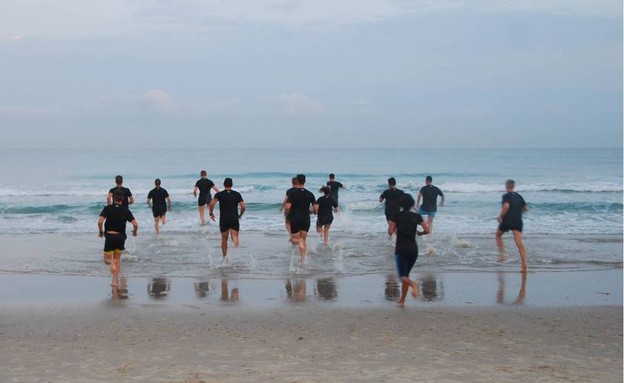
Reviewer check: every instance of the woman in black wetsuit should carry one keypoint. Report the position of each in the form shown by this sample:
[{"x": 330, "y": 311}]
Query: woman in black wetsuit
[{"x": 326, "y": 206}]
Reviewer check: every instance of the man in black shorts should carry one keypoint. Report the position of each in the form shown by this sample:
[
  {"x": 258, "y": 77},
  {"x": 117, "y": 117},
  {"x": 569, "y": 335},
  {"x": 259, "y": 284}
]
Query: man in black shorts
[
  {"x": 335, "y": 186},
  {"x": 392, "y": 196},
  {"x": 510, "y": 218},
  {"x": 229, "y": 200},
  {"x": 128, "y": 199},
  {"x": 298, "y": 211},
  {"x": 160, "y": 202},
  {"x": 112, "y": 225},
  {"x": 429, "y": 195},
  {"x": 203, "y": 185},
  {"x": 294, "y": 187}
]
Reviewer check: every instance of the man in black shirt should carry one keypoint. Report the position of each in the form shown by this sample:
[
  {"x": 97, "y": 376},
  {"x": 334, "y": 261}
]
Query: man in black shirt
[
  {"x": 325, "y": 213},
  {"x": 294, "y": 187},
  {"x": 128, "y": 199},
  {"x": 392, "y": 196},
  {"x": 510, "y": 218},
  {"x": 229, "y": 200},
  {"x": 112, "y": 225},
  {"x": 160, "y": 202},
  {"x": 298, "y": 211},
  {"x": 335, "y": 186},
  {"x": 203, "y": 185},
  {"x": 429, "y": 195}
]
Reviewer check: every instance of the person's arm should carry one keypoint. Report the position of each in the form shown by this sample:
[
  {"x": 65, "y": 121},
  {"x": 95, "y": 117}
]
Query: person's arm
[
  {"x": 287, "y": 207},
  {"x": 425, "y": 229},
  {"x": 216, "y": 189},
  {"x": 442, "y": 200},
  {"x": 503, "y": 212},
  {"x": 525, "y": 208},
  {"x": 392, "y": 227},
  {"x": 243, "y": 207},
  {"x": 109, "y": 198},
  {"x": 135, "y": 227},
  {"x": 315, "y": 208},
  {"x": 168, "y": 203},
  {"x": 149, "y": 201},
  {"x": 382, "y": 197},
  {"x": 195, "y": 189},
  {"x": 101, "y": 226},
  {"x": 130, "y": 200},
  {"x": 420, "y": 196},
  {"x": 284, "y": 203},
  {"x": 211, "y": 208}
]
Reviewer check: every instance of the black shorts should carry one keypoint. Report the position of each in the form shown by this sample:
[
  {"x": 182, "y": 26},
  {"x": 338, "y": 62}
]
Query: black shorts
[
  {"x": 323, "y": 220},
  {"x": 505, "y": 227},
  {"x": 159, "y": 211},
  {"x": 228, "y": 223},
  {"x": 405, "y": 262},
  {"x": 114, "y": 242},
  {"x": 390, "y": 214},
  {"x": 297, "y": 225},
  {"x": 201, "y": 201}
]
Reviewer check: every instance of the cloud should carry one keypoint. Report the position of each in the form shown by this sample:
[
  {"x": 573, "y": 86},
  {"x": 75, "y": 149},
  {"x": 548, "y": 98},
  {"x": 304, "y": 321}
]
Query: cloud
[
  {"x": 160, "y": 101},
  {"x": 11, "y": 37},
  {"x": 599, "y": 8},
  {"x": 299, "y": 105},
  {"x": 26, "y": 111}
]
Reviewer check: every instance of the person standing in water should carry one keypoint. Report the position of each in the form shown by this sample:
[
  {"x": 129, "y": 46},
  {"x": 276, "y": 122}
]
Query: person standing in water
[
  {"x": 203, "y": 185},
  {"x": 335, "y": 186},
  {"x": 229, "y": 216},
  {"x": 128, "y": 199},
  {"x": 298, "y": 211},
  {"x": 405, "y": 225},
  {"x": 112, "y": 226},
  {"x": 327, "y": 205},
  {"x": 429, "y": 195},
  {"x": 160, "y": 201},
  {"x": 392, "y": 196},
  {"x": 510, "y": 218},
  {"x": 294, "y": 187}
]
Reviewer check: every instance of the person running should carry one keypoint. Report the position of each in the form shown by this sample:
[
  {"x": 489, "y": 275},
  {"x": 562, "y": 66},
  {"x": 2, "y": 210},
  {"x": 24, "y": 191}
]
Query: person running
[
  {"x": 335, "y": 186},
  {"x": 229, "y": 225},
  {"x": 405, "y": 225},
  {"x": 160, "y": 201},
  {"x": 112, "y": 226},
  {"x": 392, "y": 196},
  {"x": 510, "y": 218},
  {"x": 203, "y": 185},
  {"x": 128, "y": 199},
  {"x": 294, "y": 186},
  {"x": 429, "y": 195},
  {"x": 298, "y": 211},
  {"x": 326, "y": 206}
]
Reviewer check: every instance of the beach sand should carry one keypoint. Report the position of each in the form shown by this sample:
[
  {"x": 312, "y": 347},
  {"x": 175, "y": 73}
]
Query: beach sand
[{"x": 152, "y": 341}]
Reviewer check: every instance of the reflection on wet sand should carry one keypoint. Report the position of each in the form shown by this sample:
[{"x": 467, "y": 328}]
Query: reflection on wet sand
[
  {"x": 431, "y": 290},
  {"x": 159, "y": 288},
  {"x": 202, "y": 289},
  {"x": 121, "y": 292},
  {"x": 226, "y": 295},
  {"x": 296, "y": 290},
  {"x": 500, "y": 294},
  {"x": 326, "y": 289},
  {"x": 391, "y": 291}
]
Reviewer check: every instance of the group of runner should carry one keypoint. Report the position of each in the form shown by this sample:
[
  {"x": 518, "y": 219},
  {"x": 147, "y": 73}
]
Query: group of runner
[{"x": 403, "y": 215}]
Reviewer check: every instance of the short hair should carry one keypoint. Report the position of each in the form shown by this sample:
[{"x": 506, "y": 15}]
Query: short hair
[
  {"x": 118, "y": 195},
  {"x": 301, "y": 179},
  {"x": 332, "y": 175},
  {"x": 202, "y": 173},
  {"x": 407, "y": 202},
  {"x": 428, "y": 179},
  {"x": 227, "y": 182},
  {"x": 157, "y": 181},
  {"x": 294, "y": 181},
  {"x": 325, "y": 190},
  {"x": 391, "y": 181},
  {"x": 118, "y": 180},
  {"x": 510, "y": 184}
]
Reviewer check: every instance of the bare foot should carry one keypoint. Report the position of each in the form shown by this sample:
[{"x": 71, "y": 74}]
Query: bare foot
[
  {"x": 501, "y": 258},
  {"x": 401, "y": 304},
  {"x": 415, "y": 290}
]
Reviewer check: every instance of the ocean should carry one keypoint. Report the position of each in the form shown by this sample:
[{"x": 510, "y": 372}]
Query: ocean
[{"x": 50, "y": 201}]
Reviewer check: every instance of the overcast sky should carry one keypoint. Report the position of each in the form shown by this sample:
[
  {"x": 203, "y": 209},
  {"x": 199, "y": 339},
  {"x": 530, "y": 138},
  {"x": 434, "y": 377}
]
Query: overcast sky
[{"x": 309, "y": 73}]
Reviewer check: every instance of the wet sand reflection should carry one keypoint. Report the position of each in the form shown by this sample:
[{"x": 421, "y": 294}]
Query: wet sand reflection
[
  {"x": 500, "y": 293},
  {"x": 226, "y": 294},
  {"x": 296, "y": 289},
  {"x": 326, "y": 289},
  {"x": 159, "y": 288}
]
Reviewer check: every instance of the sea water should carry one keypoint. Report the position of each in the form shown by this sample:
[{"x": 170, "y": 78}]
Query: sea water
[{"x": 55, "y": 197}]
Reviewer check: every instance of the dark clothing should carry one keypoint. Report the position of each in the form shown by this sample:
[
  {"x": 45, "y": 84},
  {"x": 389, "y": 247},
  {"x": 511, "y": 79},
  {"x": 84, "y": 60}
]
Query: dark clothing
[
  {"x": 405, "y": 263},
  {"x": 126, "y": 192},
  {"x": 290, "y": 191},
  {"x": 326, "y": 206},
  {"x": 430, "y": 195},
  {"x": 114, "y": 242},
  {"x": 513, "y": 219},
  {"x": 159, "y": 201},
  {"x": 335, "y": 187},
  {"x": 323, "y": 220},
  {"x": 407, "y": 223},
  {"x": 204, "y": 185},
  {"x": 116, "y": 218},
  {"x": 159, "y": 212},
  {"x": 392, "y": 198},
  {"x": 228, "y": 208},
  {"x": 299, "y": 214}
]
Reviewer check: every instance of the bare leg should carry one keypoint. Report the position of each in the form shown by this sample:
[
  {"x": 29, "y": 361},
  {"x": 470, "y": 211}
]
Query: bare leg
[
  {"x": 303, "y": 246},
  {"x": 201, "y": 215},
  {"x": 108, "y": 256},
  {"x": 156, "y": 228},
  {"x": 522, "y": 292},
  {"x": 115, "y": 268},
  {"x": 287, "y": 224},
  {"x": 430, "y": 224},
  {"x": 501, "y": 246},
  {"x": 404, "y": 288},
  {"x": 294, "y": 239},
  {"x": 163, "y": 219},
  {"x": 326, "y": 234},
  {"x": 235, "y": 238},
  {"x": 518, "y": 238},
  {"x": 224, "y": 239}
]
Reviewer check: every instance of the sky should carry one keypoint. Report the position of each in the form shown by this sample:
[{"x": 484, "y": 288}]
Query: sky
[{"x": 310, "y": 73}]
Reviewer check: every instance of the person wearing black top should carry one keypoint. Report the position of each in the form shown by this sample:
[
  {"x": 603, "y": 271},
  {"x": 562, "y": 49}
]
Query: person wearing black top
[
  {"x": 203, "y": 186},
  {"x": 392, "y": 196},
  {"x": 510, "y": 218},
  {"x": 128, "y": 199},
  {"x": 326, "y": 206},
  {"x": 335, "y": 186},
  {"x": 112, "y": 225},
  {"x": 405, "y": 224},
  {"x": 160, "y": 202},
  {"x": 298, "y": 211},
  {"x": 228, "y": 200},
  {"x": 286, "y": 221},
  {"x": 429, "y": 195}
]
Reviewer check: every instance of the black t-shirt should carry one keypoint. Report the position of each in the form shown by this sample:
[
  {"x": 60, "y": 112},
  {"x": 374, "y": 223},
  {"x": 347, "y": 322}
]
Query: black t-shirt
[
  {"x": 159, "y": 198},
  {"x": 392, "y": 198},
  {"x": 407, "y": 223},
  {"x": 326, "y": 205},
  {"x": 334, "y": 186},
  {"x": 290, "y": 190},
  {"x": 300, "y": 200},
  {"x": 204, "y": 185},
  {"x": 116, "y": 218},
  {"x": 430, "y": 195},
  {"x": 126, "y": 192},
  {"x": 228, "y": 202},
  {"x": 516, "y": 205}
]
